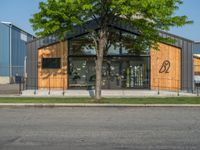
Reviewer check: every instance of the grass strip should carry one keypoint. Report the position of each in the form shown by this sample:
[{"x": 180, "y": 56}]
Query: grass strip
[{"x": 171, "y": 100}]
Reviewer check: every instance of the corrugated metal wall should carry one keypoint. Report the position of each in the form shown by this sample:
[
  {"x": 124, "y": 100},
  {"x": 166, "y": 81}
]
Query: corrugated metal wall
[
  {"x": 4, "y": 50},
  {"x": 32, "y": 57},
  {"x": 197, "y": 48},
  {"x": 19, "y": 50},
  {"x": 13, "y": 59}
]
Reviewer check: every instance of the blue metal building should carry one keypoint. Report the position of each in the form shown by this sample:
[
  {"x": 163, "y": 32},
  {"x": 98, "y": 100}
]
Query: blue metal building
[
  {"x": 13, "y": 51},
  {"x": 196, "y": 48}
]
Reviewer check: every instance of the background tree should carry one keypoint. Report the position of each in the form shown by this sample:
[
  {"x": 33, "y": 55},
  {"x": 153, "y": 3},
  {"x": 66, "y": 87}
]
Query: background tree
[{"x": 147, "y": 16}]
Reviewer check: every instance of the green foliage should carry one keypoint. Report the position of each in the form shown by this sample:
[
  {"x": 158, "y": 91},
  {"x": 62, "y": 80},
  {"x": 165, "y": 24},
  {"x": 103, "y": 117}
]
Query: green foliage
[
  {"x": 147, "y": 100},
  {"x": 148, "y": 16}
]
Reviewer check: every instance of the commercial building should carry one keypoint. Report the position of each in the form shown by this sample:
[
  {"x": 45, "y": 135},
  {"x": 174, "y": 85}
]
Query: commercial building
[
  {"x": 70, "y": 64},
  {"x": 12, "y": 51},
  {"x": 196, "y": 48},
  {"x": 196, "y": 53}
]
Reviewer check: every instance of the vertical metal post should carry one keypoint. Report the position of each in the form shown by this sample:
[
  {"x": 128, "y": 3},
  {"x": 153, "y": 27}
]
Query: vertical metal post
[
  {"x": 22, "y": 83},
  {"x": 26, "y": 84},
  {"x": 178, "y": 89},
  {"x": 49, "y": 87},
  {"x": 20, "y": 90},
  {"x": 158, "y": 87},
  {"x": 10, "y": 50},
  {"x": 178, "y": 94},
  {"x": 63, "y": 87},
  {"x": 35, "y": 87},
  {"x": 197, "y": 90}
]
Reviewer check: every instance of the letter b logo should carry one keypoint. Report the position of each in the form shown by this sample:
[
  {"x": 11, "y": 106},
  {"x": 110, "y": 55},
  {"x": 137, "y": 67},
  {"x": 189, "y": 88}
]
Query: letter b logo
[{"x": 165, "y": 67}]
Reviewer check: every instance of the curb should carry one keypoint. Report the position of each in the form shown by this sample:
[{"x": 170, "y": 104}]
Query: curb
[{"x": 94, "y": 105}]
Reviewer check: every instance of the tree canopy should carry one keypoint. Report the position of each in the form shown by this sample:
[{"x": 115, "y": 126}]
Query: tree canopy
[{"x": 148, "y": 17}]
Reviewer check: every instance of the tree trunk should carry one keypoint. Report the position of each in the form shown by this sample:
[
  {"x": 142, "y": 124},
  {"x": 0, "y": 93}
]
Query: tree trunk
[{"x": 99, "y": 63}]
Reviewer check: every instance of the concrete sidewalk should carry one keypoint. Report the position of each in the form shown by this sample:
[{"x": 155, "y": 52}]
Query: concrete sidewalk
[{"x": 106, "y": 93}]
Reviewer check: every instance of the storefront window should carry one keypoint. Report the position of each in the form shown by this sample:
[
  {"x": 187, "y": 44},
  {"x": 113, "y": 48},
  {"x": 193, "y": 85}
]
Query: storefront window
[
  {"x": 125, "y": 73},
  {"x": 81, "y": 73},
  {"x": 117, "y": 73},
  {"x": 123, "y": 67},
  {"x": 128, "y": 46},
  {"x": 82, "y": 46}
]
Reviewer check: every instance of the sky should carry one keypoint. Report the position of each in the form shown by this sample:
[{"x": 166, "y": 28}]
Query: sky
[{"x": 20, "y": 11}]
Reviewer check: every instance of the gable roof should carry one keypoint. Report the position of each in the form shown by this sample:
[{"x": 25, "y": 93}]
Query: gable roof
[{"x": 92, "y": 24}]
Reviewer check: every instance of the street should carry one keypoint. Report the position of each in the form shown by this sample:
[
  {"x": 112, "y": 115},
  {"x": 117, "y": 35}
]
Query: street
[{"x": 100, "y": 128}]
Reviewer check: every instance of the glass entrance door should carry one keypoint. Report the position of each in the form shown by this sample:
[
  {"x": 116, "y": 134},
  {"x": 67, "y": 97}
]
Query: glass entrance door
[
  {"x": 111, "y": 75},
  {"x": 134, "y": 75},
  {"x": 125, "y": 73}
]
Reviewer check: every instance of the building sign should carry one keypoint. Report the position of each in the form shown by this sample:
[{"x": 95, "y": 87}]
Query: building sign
[{"x": 165, "y": 67}]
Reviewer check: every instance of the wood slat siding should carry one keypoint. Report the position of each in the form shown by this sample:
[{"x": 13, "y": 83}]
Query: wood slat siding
[
  {"x": 196, "y": 66},
  {"x": 53, "y": 78},
  {"x": 172, "y": 79}
]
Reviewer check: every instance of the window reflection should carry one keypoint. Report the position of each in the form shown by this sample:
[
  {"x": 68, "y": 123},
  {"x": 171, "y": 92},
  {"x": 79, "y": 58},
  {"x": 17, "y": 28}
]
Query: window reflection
[
  {"x": 117, "y": 73},
  {"x": 81, "y": 73},
  {"x": 82, "y": 46},
  {"x": 124, "y": 65}
]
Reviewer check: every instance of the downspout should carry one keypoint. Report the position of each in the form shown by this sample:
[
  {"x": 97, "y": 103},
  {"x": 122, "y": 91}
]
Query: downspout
[{"x": 10, "y": 52}]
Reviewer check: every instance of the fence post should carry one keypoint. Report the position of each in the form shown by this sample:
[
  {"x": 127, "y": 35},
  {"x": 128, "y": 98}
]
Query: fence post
[
  {"x": 178, "y": 94},
  {"x": 49, "y": 87},
  {"x": 158, "y": 87},
  {"x": 178, "y": 89},
  {"x": 26, "y": 84},
  {"x": 20, "y": 87},
  {"x": 35, "y": 87},
  {"x": 197, "y": 90},
  {"x": 22, "y": 83},
  {"x": 63, "y": 87}
]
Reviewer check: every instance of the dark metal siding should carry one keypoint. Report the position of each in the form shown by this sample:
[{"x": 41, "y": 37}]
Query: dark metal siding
[{"x": 32, "y": 53}]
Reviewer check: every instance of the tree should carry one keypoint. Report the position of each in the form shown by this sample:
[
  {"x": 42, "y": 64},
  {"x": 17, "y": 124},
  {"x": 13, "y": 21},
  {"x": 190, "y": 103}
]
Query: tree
[{"x": 147, "y": 16}]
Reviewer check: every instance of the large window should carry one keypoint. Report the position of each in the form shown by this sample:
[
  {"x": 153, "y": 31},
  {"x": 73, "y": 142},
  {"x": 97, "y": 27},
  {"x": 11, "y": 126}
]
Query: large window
[
  {"x": 81, "y": 72},
  {"x": 82, "y": 46},
  {"x": 51, "y": 63},
  {"x": 124, "y": 67},
  {"x": 117, "y": 73},
  {"x": 123, "y": 73}
]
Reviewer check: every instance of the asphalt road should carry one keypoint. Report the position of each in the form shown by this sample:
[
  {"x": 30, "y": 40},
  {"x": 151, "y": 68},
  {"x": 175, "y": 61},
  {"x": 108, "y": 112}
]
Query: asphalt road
[{"x": 100, "y": 128}]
